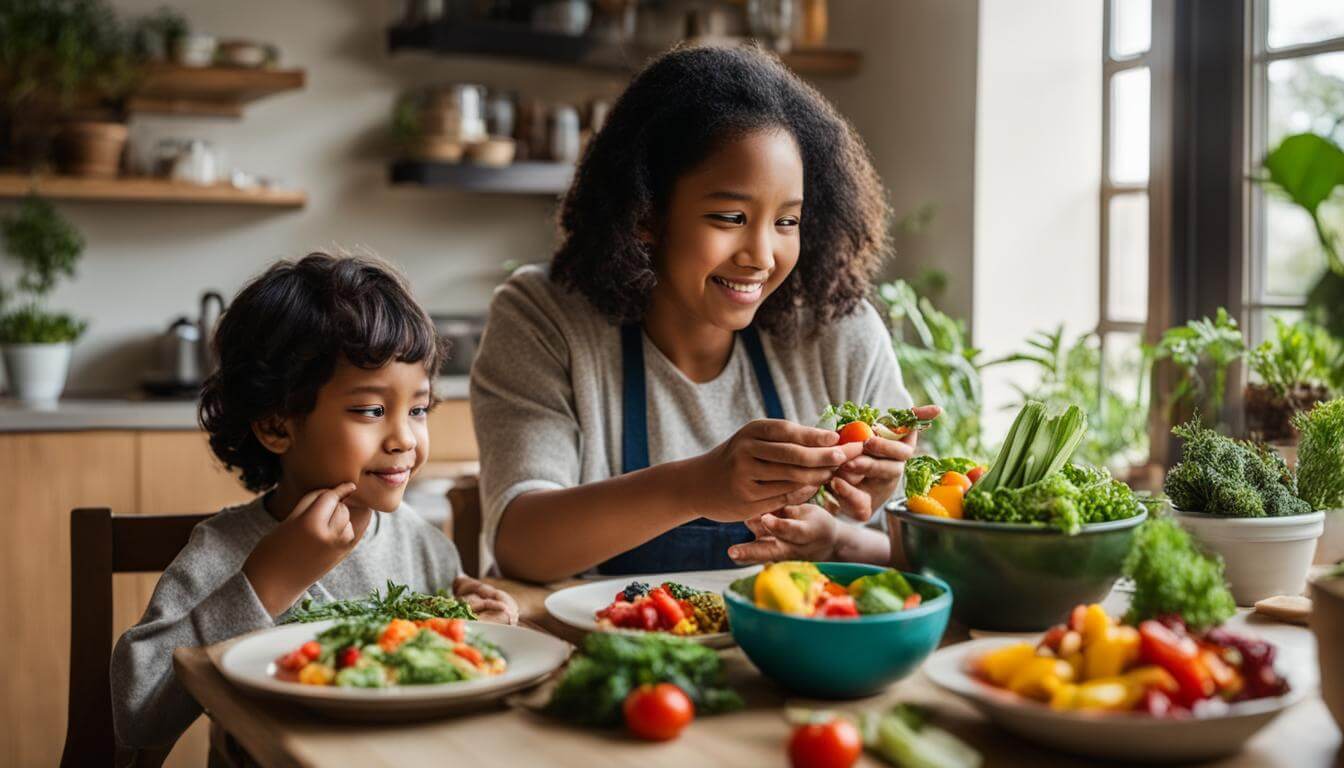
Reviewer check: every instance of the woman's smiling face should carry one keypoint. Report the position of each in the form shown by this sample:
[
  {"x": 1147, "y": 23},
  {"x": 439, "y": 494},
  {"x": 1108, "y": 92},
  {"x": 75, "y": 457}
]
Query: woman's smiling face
[{"x": 730, "y": 236}]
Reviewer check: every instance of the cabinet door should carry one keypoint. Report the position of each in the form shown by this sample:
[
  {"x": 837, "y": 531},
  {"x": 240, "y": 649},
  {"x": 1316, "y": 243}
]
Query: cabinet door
[
  {"x": 451, "y": 436},
  {"x": 42, "y": 477},
  {"x": 176, "y": 474}
]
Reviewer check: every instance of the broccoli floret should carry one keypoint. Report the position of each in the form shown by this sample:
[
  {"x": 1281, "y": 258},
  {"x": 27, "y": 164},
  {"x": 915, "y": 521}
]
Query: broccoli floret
[
  {"x": 680, "y": 591},
  {"x": 1222, "y": 476},
  {"x": 1052, "y": 501}
]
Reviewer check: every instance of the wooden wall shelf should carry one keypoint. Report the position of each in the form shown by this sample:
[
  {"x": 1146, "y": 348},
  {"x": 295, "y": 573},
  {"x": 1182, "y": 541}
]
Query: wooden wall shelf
[
  {"x": 143, "y": 190},
  {"x": 517, "y": 41},
  {"x": 210, "y": 91},
  {"x": 522, "y": 178}
]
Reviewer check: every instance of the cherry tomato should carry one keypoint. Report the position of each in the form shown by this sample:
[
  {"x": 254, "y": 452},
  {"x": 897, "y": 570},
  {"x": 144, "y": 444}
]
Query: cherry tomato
[
  {"x": 348, "y": 657},
  {"x": 293, "y": 661},
  {"x": 657, "y": 712},
  {"x": 669, "y": 612},
  {"x": 833, "y": 744},
  {"x": 470, "y": 654},
  {"x": 311, "y": 649},
  {"x": 976, "y": 473},
  {"x": 912, "y": 601},
  {"x": 837, "y": 607},
  {"x": 855, "y": 432}
]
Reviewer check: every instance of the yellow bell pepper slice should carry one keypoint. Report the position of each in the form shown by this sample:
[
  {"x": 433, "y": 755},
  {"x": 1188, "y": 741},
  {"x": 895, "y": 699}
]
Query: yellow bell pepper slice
[
  {"x": 950, "y": 497},
  {"x": 788, "y": 587},
  {"x": 1040, "y": 677},
  {"x": 926, "y": 505},
  {"x": 1000, "y": 665}
]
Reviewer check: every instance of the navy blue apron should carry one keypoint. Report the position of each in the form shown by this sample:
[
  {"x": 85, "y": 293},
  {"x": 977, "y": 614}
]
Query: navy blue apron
[{"x": 699, "y": 545}]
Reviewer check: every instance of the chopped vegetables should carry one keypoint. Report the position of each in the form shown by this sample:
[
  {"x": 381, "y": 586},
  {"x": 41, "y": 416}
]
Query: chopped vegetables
[
  {"x": 610, "y": 666},
  {"x": 801, "y": 589},
  {"x": 903, "y": 737},
  {"x": 1221, "y": 476},
  {"x": 1159, "y": 667},
  {"x": 1172, "y": 576},
  {"x": 398, "y": 603},
  {"x": 892, "y": 424},
  {"x": 373, "y": 653},
  {"x": 669, "y": 607}
]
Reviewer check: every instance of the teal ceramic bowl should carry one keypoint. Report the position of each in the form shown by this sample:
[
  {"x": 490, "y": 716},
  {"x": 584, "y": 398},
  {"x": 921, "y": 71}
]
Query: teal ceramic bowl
[
  {"x": 1013, "y": 578},
  {"x": 841, "y": 658}
]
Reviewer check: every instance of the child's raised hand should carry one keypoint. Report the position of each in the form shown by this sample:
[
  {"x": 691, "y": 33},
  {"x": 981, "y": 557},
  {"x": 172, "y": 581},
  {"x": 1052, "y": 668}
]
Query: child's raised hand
[
  {"x": 489, "y": 603},
  {"x": 319, "y": 532},
  {"x": 802, "y": 532}
]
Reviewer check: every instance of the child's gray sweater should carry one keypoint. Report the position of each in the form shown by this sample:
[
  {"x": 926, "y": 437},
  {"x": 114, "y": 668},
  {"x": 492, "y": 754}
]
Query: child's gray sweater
[{"x": 204, "y": 598}]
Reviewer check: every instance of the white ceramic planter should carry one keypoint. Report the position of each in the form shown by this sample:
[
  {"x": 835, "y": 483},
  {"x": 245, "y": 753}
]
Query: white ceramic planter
[
  {"x": 1330, "y": 549},
  {"x": 1265, "y": 556},
  {"x": 37, "y": 372}
]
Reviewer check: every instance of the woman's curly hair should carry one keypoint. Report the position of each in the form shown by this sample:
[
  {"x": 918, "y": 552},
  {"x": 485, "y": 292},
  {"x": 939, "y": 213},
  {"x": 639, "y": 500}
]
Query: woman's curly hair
[
  {"x": 281, "y": 338},
  {"x": 674, "y": 114}
]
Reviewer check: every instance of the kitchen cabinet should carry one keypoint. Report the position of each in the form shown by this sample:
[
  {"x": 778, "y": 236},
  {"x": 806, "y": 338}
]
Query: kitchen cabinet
[{"x": 44, "y": 475}]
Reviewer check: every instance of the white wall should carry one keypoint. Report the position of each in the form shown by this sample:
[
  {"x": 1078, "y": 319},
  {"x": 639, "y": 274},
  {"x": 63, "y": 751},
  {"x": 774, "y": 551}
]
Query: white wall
[
  {"x": 913, "y": 102},
  {"x": 1037, "y": 176}
]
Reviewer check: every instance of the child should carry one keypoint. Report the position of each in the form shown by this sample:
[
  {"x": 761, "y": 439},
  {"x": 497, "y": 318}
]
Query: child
[
  {"x": 719, "y": 240},
  {"x": 320, "y": 404}
]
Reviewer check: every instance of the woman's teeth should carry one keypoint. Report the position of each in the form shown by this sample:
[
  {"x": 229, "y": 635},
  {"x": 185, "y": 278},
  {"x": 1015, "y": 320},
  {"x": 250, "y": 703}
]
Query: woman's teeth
[{"x": 739, "y": 287}]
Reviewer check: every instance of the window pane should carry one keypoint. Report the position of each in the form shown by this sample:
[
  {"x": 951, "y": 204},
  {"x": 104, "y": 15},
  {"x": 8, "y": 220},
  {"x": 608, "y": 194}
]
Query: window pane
[
  {"x": 1293, "y": 254},
  {"x": 1129, "y": 126},
  {"x": 1262, "y": 322},
  {"x": 1305, "y": 94},
  {"x": 1127, "y": 278},
  {"x": 1131, "y": 27},
  {"x": 1293, "y": 22}
]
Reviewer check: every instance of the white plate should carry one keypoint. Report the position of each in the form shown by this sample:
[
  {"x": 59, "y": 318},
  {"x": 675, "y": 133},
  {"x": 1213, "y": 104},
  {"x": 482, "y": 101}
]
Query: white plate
[
  {"x": 1116, "y": 736},
  {"x": 577, "y": 606},
  {"x": 531, "y": 656}
]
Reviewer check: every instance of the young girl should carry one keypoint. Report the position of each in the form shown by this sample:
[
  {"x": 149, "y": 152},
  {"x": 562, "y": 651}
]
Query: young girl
[
  {"x": 718, "y": 243},
  {"x": 320, "y": 404}
]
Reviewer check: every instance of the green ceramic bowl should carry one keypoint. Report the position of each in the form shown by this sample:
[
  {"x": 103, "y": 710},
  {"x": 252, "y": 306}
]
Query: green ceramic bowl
[
  {"x": 841, "y": 658},
  {"x": 1013, "y": 578}
]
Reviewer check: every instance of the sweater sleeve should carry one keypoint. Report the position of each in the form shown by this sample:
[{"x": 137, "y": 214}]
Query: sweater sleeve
[
  {"x": 202, "y": 598},
  {"x": 522, "y": 405}
]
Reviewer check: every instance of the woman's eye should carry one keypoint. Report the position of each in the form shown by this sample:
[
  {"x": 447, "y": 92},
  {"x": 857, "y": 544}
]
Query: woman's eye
[
  {"x": 373, "y": 411},
  {"x": 730, "y": 218}
]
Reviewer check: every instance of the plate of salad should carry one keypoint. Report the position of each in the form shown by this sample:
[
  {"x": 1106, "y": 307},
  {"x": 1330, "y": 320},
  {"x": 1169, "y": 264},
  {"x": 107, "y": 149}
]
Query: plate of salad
[
  {"x": 1155, "y": 691},
  {"x": 687, "y": 604}
]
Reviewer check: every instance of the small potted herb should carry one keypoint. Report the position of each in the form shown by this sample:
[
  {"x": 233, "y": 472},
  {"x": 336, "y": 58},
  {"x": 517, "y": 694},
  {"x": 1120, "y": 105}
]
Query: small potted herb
[
  {"x": 1294, "y": 369},
  {"x": 36, "y": 342},
  {"x": 1320, "y": 472},
  {"x": 1239, "y": 500}
]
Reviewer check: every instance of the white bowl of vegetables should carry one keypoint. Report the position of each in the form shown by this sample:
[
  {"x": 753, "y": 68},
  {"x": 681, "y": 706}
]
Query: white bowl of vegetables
[{"x": 1240, "y": 501}]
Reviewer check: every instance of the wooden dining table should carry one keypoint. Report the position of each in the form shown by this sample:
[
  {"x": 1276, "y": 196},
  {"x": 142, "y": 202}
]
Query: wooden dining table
[{"x": 279, "y": 734}]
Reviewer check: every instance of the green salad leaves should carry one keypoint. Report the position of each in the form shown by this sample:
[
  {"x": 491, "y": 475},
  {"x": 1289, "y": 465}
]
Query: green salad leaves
[
  {"x": 921, "y": 472},
  {"x": 610, "y": 666},
  {"x": 399, "y": 603},
  {"x": 1221, "y": 476},
  {"x": 1172, "y": 576}
]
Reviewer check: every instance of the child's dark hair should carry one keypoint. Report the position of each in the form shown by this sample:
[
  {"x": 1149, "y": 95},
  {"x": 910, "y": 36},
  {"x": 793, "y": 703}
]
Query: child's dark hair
[
  {"x": 674, "y": 114},
  {"x": 281, "y": 338}
]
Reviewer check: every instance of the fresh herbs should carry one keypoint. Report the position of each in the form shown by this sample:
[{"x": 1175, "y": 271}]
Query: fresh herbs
[
  {"x": 398, "y": 603},
  {"x": 1203, "y": 345},
  {"x": 611, "y": 665},
  {"x": 1172, "y": 576},
  {"x": 1320, "y": 455},
  {"x": 1221, "y": 476}
]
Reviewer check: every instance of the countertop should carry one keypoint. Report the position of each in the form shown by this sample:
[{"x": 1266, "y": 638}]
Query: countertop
[{"x": 135, "y": 412}]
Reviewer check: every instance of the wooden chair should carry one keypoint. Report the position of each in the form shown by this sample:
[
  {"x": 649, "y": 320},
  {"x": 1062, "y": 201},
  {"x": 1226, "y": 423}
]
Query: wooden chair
[
  {"x": 102, "y": 544},
  {"x": 465, "y": 499}
]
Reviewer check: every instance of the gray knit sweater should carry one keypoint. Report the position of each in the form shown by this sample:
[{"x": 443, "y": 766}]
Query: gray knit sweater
[{"x": 204, "y": 598}]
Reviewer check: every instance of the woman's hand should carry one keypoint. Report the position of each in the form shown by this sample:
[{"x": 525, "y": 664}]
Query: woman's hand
[
  {"x": 318, "y": 533},
  {"x": 802, "y": 532},
  {"x": 866, "y": 482},
  {"x": 768, "y": 464},
  {"x": 489, "y": 603}
]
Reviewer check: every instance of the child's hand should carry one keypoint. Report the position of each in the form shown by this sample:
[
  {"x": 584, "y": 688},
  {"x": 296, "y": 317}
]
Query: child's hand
[
  {"x": 319, "y": 533},
  {"x": 803, "y": 532},
  {"x": 489, "y": 603}
]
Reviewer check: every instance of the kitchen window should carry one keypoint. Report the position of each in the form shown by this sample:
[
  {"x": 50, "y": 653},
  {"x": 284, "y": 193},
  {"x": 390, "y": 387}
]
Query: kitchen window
[{"x": 1296, "y": 84}]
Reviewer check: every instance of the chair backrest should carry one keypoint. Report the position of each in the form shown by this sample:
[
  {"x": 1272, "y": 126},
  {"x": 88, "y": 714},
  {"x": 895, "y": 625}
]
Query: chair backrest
[
  {"x": 102, "y": 544},
  {"x": 465, "y": 499}
]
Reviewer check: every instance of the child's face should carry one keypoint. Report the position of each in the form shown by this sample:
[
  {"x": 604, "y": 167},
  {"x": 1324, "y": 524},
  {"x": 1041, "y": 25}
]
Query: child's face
[
  {"x": 369, "y": 427},
  {"x": 731, "y": 233}
]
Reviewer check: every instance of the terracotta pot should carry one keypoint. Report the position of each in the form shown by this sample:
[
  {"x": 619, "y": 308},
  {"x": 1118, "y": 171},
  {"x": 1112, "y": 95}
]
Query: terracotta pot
[
  {"x": 90, "y": 148},
  {"x": 1269, "y": 415}
]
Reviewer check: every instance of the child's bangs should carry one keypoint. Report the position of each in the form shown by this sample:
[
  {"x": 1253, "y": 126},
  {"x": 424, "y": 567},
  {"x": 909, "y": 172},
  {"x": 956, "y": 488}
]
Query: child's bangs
[{"x": 382, "y": 328}]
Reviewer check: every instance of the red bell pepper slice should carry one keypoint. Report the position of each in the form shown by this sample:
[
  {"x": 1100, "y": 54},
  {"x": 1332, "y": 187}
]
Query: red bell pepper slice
[{"x": 1179, "y": 656}]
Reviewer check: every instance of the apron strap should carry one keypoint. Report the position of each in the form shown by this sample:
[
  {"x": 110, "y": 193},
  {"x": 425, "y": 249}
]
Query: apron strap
[
  {"x": 634, "y": 410},
  {"x": 773, "y": 408}
]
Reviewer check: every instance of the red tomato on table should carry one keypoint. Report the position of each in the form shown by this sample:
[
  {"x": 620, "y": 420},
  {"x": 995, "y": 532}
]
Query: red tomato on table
[
  {"x": 833, "y": 744},
  {"x": 657, "y": 712}
]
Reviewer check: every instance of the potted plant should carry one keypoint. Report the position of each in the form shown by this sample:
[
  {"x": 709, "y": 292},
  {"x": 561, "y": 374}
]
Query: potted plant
[
  {"x": 1239, "y": 499},
  {"x": 36, "y": 342},
  {"x": 1320, "y": 472},
  {"x": 1296, "y": 368},
  {"x": 1203, "y": 350}
]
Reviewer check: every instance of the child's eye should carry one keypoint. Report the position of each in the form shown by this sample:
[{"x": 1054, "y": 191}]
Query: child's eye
[
  {"x": 787, "y": 221},
  {"x": 373, "y": 411},
  {"x": 420, "y": 411},
  {"x": 730, "y": 218}
]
